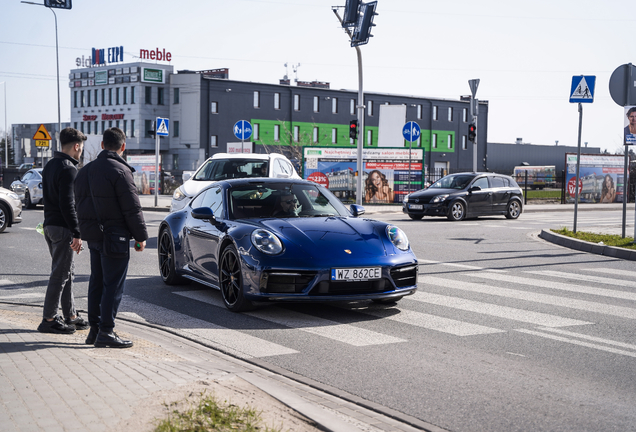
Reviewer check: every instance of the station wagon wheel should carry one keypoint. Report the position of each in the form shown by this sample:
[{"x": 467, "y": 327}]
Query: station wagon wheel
[
  {"x": 4, "y": 217},
  {"x": 27, "y": 200},
  {"x": 514, "y": 210},
  {"x": 231, "y": 281},
  {"x": 457, "y": 211},
  {"x": 167, "y": 267}
]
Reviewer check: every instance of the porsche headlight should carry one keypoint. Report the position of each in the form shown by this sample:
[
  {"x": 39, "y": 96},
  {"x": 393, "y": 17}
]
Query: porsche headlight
[
  {"x": 266, "y": 242},
  {"x": 397, "y": 237},
  {"x": 439, "y": 198},
  {"x": 178, "y": 194}
]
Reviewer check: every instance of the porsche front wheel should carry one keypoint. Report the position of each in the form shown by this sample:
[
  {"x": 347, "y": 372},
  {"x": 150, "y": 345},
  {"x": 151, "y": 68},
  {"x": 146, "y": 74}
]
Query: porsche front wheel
[{"x": 231, "y": 281}]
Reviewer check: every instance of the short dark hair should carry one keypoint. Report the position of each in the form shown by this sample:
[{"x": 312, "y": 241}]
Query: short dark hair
[
  {"x": 114, "y": 138},
  {"x": 71, "y": 135},
  {"x": 631, "y": 110}
]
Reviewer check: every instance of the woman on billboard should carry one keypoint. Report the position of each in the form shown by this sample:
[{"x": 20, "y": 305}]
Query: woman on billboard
[
  {"x": 377, "y": 189},
  {"x": 608, "y": 192}
]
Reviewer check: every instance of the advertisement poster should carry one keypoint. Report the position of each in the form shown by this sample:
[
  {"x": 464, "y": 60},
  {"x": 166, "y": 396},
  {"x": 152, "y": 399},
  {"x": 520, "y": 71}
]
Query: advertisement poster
[
  {"x": 385, "y": 176},
  {"x": 630, "y": 125},
  {"x": 144, "y": 174},
  {"x": 600, "y": 178}
]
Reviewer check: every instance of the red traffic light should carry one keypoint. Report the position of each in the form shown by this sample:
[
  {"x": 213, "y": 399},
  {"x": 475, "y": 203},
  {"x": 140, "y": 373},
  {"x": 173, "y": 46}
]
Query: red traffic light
[
  {"x": 353, "y": 129},
  {"x": 472, "y": 132}
]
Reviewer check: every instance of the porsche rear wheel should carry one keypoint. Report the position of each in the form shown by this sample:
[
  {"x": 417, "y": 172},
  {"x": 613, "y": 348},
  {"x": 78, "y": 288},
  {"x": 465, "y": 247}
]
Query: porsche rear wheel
[
  {"x": 231, "y": 281},
  {"x": 166, "y": 260},
  {"x": 457, "y": 211}
]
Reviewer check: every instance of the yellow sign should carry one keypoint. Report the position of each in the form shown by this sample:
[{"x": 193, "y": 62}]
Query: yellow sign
[
  {"x": 42, "y": 143},
  {"x": 42, "y": 134}
]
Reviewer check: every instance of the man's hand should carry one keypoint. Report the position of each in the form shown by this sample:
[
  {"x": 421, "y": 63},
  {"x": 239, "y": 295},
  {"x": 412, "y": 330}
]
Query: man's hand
[
  {"x": 76, "y": 245},
  {"x": 140, "y": 246}
]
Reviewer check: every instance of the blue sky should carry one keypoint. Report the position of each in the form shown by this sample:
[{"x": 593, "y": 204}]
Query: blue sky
[{"x": 524, "y": 53}]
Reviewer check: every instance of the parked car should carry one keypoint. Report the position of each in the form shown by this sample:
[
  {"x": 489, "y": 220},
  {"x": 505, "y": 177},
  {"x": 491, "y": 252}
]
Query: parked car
[
  {"x": 10, "y": 209},
  {"x": 29, "y": 187},
  {"x": 223, "y": 166},
  {"x": 230, "y": 237},
  {"x": 458, "y": 196}
]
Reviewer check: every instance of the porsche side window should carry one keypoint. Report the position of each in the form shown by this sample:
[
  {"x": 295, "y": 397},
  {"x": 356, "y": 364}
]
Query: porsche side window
[{"x": 213, "y": 198}]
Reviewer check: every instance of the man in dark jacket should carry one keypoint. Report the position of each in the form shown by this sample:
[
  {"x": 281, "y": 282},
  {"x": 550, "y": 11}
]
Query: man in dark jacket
[
  {"x": 61, "y": 231},
  {"x": 106, "y": 196}
]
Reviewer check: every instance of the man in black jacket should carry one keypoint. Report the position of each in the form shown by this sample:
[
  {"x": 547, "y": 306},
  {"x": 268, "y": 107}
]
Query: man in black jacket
[
  {"x": 106, "y": 196},
  {"x": 61, "y": 231}
]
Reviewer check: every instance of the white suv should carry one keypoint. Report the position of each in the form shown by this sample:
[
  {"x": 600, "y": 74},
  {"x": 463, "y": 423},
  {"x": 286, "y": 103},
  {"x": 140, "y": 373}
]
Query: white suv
[{"x": 223, "y": 166}]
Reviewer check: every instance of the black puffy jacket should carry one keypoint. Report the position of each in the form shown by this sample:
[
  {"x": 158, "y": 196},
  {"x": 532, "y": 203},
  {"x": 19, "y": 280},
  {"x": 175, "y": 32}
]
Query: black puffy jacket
[{"x": 115, "y": 194}]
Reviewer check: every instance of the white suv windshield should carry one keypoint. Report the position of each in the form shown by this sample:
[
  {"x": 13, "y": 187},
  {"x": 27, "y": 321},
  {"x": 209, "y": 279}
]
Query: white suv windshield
[{"x": 223, "y": 169}]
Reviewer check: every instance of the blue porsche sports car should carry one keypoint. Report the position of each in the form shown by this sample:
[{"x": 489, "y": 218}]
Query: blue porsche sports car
[{"x": 272, "y": 239}]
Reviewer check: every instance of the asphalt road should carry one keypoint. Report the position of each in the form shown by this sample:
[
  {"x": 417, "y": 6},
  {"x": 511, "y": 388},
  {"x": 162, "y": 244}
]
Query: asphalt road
[{"x": 506, "y": 332}]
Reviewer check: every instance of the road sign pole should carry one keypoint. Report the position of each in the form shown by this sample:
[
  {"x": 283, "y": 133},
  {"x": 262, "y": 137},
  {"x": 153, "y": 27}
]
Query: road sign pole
[
  {"x": 578, "y": 165},
  {"x": 156, "y": 168}
]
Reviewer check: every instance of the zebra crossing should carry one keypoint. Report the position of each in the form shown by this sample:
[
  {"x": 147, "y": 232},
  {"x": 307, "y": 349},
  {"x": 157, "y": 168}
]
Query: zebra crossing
[{"x": 560, "y": 306}]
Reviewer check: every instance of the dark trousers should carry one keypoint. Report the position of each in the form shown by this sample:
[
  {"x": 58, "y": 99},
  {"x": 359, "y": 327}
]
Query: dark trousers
[
  {"x": 60, "y": 287},
  {"x": 105, "y": 287}
]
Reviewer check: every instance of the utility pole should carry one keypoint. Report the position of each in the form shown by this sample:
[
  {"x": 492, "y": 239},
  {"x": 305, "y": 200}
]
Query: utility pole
[{"x": 474, "y": 112}]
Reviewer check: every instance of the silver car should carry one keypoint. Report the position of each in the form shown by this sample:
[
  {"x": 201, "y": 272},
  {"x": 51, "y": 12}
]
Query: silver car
[
  {"x": 29, "y": 188},
  {"x": 10, "y": 209}
]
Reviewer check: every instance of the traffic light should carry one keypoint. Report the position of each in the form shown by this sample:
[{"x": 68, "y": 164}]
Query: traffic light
[
  {"x": 362, "y": 29},
  {"x": 353, "y": 129},
  {"x": 60, "y": 4},
  {"x": 472, "y": 132},
  {"x": 350, "y": 13}
]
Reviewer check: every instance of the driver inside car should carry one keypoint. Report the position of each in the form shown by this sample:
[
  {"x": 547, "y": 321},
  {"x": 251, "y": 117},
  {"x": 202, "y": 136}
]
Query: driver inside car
[{"x": 286, "y": 206}]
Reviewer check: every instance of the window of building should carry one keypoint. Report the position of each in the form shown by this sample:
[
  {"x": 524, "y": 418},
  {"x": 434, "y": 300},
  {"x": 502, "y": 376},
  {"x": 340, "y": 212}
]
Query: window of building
[
  {"x": 370, "y": 108},
  {"x": 276, "y": 132},
  {"x": 110, "y": 96},
  {"x": 125, "y": 95},
  {"x": 296, "y": 133},
  {"x": 277, "y": 101},
  {"x": 434, "y": 112},
  {"x": 160, "y": 94},
  {"x": 257, "y": 99},
  {"x": 75, "y": 100},
  {"x": 125, "y": 129},
  {"x": 75, "y": 125},
  {"x": 132, "y": 95},
  {"x": 175, "y": 128},
  {"x": 103, "y": 97},
  {"x": 334, "y": 136},
  {"x": 419, "y": 111},
  {"x": 464, "y": 115},
  {"x": 434, "y": 141},
  {"x": 117, "y": 124},
  {"x": 334, "y": 105},
  {"x": 96, "y": 94},
  {"x": 110, "y": 124},
  {"x": 148, "y": 95},
  {"x": 296, "y": 102},
  {"x": 147, "y": 128},
  {"x": 82, "y": 98},
  {"x": 450, "y": 114},
  {"x": 117, "y": 96},
  {"x": 82, "y": 127},
  {"x": 352, "y": 106},
  {"x": 176, "y": 96},
  {"x": 369, "y": 138},
  {"x": 464, "y": 142},
  {"x": 88, "y": 127},
  {"x": 214, "y": 141},
  {"x": 103, "y": 126},
  {"x": 214, "y": 107},
  {"x": 132, "y": 128},
  {"x": 256, "y": 131},
  {"x": 315, "y": 135},
  {"x": 97, "y": 127},
  {"x": 88, "y": 98},
  {"x": 450, "y": 142},
  {"x": 316, "y": 104}
]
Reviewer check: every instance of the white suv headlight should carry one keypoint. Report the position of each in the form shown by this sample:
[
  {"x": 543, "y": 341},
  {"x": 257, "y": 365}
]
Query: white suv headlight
[{"x": 178, "y": 194}]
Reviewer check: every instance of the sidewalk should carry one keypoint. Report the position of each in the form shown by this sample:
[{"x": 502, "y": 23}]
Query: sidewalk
[{"x": 57, "y": 383}]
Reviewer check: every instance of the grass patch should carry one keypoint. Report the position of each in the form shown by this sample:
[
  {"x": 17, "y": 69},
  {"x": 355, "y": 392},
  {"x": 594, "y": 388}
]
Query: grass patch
[
  {"x": 211, "y": 415},
  {"x": 607, "y": 239},
  {"x": 544, "y": 194}
]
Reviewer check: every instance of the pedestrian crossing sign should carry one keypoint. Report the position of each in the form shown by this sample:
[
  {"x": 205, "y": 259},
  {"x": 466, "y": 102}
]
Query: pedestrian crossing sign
[
  {"x": 162, "y": 126},
  {"x": 582, "y": 90}
]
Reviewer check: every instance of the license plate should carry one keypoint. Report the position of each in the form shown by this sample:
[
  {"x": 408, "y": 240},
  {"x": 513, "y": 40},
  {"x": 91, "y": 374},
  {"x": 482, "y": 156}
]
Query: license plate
[
  {"x": 416, "y": 206},
  {"x": 356, "y": 274}
]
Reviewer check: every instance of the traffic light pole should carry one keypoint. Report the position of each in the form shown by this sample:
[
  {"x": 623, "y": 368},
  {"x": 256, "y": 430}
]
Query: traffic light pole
[{"x": 475, "y": 146}]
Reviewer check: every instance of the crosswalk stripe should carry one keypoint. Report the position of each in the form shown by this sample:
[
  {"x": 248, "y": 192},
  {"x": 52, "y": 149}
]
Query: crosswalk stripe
[
  {"x": 591, "y": 338},
  {"x": 233, "y": 341},
  {"x": 603, "y": 280},
  {"x": 344, "y": 333},
  {"x": 612, "y": 271},
  {"x": 432, "y": 322},
  {"x": 30, "y": 295},
  {"x": 537, "y": 318},
  {"x": 580, "y": 343},
  {"x": 464, "y": 266},
  {"x": 551, "y": 300},
  {"x": 555, "y": 285}
]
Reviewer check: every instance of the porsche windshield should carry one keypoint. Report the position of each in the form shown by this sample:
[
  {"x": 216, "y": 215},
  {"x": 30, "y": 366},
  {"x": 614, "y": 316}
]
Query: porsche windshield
[
  {"x": 459, "y": 181},
  {"x": 283, "y": 200}
]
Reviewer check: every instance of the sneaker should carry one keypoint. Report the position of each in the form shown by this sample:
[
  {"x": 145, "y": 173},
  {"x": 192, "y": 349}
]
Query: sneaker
[
  {"x": 79, "y": 323},
  {"x": 111, "y": 340},
  {"x": 55, "y": 326}
]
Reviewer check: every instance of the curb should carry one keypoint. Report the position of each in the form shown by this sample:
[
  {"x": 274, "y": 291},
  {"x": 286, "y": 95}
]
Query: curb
[{"x": 583, "y": 246}]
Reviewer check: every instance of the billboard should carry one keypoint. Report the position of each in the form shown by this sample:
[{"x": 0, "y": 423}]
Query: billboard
[
  {"x": 385, "y": 176},
  {"x": 144, "y": 174},
  {"x": 600, "y": 178}
]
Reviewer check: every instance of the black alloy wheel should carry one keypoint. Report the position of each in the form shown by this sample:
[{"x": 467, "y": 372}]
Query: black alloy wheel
[
  {"x": 166, "y": 260},
  {"x": 231, "y": 280},
  {"x": 27, "y": 200},
  {"x": 457, "y": 211}
]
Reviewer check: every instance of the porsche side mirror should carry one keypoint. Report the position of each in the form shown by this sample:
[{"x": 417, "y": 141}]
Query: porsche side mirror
[
  {"x": 357, "y": 210},
  {"x": 203, "y": 213}
]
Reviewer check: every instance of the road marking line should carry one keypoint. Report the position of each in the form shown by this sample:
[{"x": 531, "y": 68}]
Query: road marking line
[
  {"x": 534, "y": 297},
  {"x": 23, "y": 296},
  {"x": 345, "y": 333},
  {"x": 574, "y": 342},
  {"x": 556, "y": 285},
  {"x": 612, "y": 271},
  {"x": 608, "y": 281},
  {"x": 464, "y": 266},
  {"x": 536, "y": 318},
  {"x": 591, "y": 338},
  {"x": 236, "y": 342}
]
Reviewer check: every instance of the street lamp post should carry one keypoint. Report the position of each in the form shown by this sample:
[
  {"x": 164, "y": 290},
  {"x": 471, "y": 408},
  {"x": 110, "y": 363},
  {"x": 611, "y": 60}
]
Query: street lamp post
[{"x": 6, "y": 133}]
